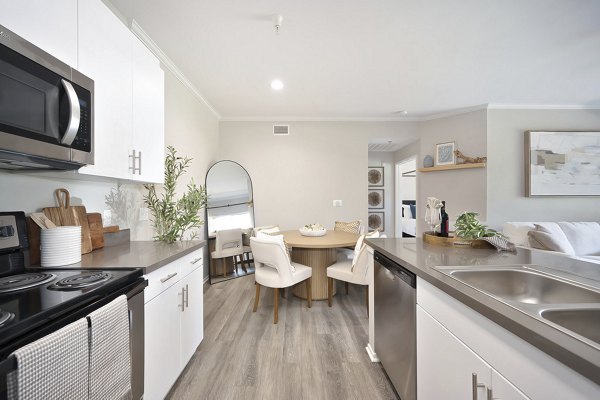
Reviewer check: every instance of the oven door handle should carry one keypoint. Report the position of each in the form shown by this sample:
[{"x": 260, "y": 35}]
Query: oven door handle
[{"x": 74, "y": 115}]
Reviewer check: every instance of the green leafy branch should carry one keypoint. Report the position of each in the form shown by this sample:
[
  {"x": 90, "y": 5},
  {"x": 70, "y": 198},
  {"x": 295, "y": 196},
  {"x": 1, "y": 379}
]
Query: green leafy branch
[
  {"x": 172, "y": 218},
  {"x": 467, "y": 226}
]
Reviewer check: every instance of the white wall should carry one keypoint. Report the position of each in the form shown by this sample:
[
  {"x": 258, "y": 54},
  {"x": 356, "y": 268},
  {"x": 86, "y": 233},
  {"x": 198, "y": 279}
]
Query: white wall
[
  {"x": 506, "y": 199},
  {"x": 296, "y": 177},
  {"x": 385, "y": 160},
  {"x": 463, "y": 190}
]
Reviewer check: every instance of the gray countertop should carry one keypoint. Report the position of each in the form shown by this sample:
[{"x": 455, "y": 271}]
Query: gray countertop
[
  {"x": 420, "y": 258},
  {"x": 148, "y": 255}
]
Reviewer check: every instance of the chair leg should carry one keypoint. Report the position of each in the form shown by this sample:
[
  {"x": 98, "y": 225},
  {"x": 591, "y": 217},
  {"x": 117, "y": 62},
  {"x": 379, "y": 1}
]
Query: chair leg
[
  {"x": 235, "y": 263},
  {"x": 329, "y": 291},
  {"x": 256, "y": 296},
  {"x": 309, "y": 291},
  {"x": 244, "y": 262},
  {"x": 346, "y": 287},
  {"x": 276, "y": 310}
]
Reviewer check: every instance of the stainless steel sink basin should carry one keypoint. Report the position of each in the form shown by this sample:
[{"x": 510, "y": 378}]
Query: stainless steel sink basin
[
  {"x": 526, "y": 286},
  {"x": 584, "y": 322}
]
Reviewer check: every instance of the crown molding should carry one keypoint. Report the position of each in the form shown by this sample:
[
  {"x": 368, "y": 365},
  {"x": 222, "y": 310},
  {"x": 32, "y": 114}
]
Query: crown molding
[
  {"x": 170, "y": 65},
  {"x": 542, "y": 107},
  {"x": 318, "y": 119}
]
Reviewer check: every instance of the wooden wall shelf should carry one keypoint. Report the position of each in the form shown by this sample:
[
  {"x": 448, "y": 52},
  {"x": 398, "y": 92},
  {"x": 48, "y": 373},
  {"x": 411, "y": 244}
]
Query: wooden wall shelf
[{"x": 449, "y": 167}]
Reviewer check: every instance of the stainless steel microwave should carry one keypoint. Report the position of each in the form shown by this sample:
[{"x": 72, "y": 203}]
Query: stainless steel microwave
[{"x": 46, "y": 109}]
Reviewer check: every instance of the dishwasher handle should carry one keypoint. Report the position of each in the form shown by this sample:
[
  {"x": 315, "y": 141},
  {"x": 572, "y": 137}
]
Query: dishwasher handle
[{"x": 396, "y": 269}]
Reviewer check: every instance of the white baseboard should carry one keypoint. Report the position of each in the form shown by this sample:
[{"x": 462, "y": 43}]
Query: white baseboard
[{"x": 371, "y": 353}]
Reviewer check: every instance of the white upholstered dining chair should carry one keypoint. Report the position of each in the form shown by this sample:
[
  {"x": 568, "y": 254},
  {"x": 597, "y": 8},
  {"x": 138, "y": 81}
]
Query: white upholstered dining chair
[
  {"x": 355, "y": 270},
  {"x": 228, "y": 243},
  {"x": 274, "y": 269}
]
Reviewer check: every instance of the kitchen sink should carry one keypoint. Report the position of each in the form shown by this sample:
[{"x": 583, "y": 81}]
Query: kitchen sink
[
  {"x": 582, "y": 321},
  {"x": 525, "y": 286}
]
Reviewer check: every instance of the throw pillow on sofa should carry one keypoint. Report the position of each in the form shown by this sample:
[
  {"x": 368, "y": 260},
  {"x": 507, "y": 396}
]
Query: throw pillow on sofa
[
  {"x": 550, "y": 237},
  {"x": 583, "y": 236}
]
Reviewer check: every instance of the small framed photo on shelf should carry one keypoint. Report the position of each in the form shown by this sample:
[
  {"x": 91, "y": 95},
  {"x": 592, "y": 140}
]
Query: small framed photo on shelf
[
  {"x": 376, "y": 221},
  {"x": 444, "y": 154},
  {"x": 375, "y": 198},
  {"x": 375, "y": 176}
]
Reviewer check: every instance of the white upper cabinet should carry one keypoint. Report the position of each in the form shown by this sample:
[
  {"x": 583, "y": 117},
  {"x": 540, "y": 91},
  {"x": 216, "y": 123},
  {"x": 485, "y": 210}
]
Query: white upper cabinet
[
  {"x": 129, "y": 97},
  {"x": 50, "y": 25},
  {"x": 105, "y": 55},
  {"x": 148, "y": 115}
]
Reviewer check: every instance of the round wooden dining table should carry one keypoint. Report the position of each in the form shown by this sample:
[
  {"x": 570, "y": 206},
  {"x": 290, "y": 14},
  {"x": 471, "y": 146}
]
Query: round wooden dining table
[{"x": 317, "y": 252}]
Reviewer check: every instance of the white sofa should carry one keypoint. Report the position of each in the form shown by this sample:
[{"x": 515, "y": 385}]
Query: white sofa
[{"x": 579, "y": 240}]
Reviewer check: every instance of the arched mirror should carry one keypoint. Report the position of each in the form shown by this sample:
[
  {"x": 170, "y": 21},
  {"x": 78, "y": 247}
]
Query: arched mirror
[{"x": 230, "y": 206}]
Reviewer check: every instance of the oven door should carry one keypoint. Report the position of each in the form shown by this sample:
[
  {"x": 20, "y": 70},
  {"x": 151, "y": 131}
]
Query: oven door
[{"x": 43, "y": 112}]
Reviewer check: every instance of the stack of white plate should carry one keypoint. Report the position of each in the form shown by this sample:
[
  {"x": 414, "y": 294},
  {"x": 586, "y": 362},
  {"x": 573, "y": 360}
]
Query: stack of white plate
[{"x": 60, "y": 246}]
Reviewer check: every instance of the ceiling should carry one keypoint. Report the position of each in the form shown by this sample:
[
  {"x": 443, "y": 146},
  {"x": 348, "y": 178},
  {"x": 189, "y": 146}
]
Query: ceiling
[{"x": 358, "y": 59}]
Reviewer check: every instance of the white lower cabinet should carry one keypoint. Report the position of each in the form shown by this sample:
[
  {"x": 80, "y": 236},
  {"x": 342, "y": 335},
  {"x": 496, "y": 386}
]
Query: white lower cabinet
[
  {"x": 447, "y": 368},
  {"x": 174, "y": 322},
  {"x": 454, "y": 342}
]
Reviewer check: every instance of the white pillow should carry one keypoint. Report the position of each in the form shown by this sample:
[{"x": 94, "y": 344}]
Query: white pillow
[
  {"x": 583, "y": 236},
  {"x": 550, "y": 237},
  {"x": 277, "y": 239},
  {"x": 406, "y": 213}
]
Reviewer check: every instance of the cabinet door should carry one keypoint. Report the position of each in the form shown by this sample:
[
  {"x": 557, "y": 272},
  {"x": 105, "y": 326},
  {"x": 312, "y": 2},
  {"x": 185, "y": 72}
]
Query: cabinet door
[
  {"x": 105, "y": 56},
  {"x": 161, "y": 356},
  {"x": 192, "y": 325},
  {"x": 148, "y": 114},
  {"x": 504, "y": 390},
  {"x": 445, "y": 366},
  {"x": 50, "y": 25}
]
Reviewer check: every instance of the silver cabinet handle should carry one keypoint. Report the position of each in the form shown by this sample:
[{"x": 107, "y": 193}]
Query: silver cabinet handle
[
  {"x": 74, "y": 115},
  {"x": 133, "y": 158},
  {"x": 140, "y": 163},
  {"x": 490, "y": 395},
  {"x": 187, "y": 296},
  {"x": 196, "y": 260},
  {"x": 182, "y": 305},
  {"x": 475, "y": 385},
  {"x": 166, "y": 278}
]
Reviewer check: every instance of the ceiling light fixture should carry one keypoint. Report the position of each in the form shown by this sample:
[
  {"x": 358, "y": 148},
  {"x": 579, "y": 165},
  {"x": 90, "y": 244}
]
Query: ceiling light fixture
[
  {"x": 277, "y": 20},
  {"x": 276, "y": 84}
]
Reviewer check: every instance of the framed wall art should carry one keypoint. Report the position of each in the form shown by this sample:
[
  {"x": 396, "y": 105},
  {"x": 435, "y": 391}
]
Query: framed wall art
[
  {"x": 562, "y": 163},
  {"x": 375, "y": 198},
  {"x": 376, "y": 221},
  {"x": 375, "y": 176},
  {"x": 444, "y": 154}
]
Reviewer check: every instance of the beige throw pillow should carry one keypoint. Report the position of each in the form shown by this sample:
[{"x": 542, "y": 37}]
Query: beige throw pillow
[
  {"x": 550, "y": 239},
  {"x": 350, "y": 227}
]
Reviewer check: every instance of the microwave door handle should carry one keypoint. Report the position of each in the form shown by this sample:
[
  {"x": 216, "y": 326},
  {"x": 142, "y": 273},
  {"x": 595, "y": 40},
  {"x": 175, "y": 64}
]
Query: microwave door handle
[{"x": 74, "y": 116}]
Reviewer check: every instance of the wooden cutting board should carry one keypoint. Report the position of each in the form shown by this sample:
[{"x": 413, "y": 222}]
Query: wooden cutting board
[
  {"x": 96, "y": 233},
  {"x": 65, "y": 215}
]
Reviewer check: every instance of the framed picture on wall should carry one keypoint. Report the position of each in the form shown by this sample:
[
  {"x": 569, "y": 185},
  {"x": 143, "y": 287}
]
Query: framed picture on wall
[
  {"x": 562, "y": 163},
  {"x": 444, "y": 154},
  {"x": 375, "y": 198},
  {"x": 376, "y": 220},
  {"x": 375, "y": 176}
]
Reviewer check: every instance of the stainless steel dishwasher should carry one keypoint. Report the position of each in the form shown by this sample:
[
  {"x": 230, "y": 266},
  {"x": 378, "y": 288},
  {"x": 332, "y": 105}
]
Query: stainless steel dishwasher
[{"x": 395, "y": 324}]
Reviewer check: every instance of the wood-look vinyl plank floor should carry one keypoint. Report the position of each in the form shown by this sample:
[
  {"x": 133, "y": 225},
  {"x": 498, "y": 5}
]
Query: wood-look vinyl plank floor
[{"x": 315, "y": 354}]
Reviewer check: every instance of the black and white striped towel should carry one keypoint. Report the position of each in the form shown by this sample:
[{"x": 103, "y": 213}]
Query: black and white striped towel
[
  {"x": 53, "y": 367},
  {"x": 500, "y": 243},
  {"x": 110, "y": 365}
]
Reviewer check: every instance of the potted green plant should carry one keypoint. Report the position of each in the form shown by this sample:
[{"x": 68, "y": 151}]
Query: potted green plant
[
  {"x": 172, "y": 217},
  {"x": 467, "y": 226}
]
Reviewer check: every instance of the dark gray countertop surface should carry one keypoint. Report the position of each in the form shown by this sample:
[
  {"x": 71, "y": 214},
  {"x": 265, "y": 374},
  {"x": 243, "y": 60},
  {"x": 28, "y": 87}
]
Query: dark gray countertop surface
[
  {"x": 420, "y": 258},
  {"x": 148, "y": 255}
]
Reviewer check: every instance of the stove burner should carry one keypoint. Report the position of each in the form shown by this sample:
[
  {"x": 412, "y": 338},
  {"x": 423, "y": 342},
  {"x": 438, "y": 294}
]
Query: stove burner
[
  {"x": 23, "y": 281},
  {"x": 5, "y": 317},
  {"x": 81, "y": 281}
]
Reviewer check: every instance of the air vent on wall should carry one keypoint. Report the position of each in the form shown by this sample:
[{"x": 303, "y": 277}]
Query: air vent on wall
[{"x": 281, "y": 130}]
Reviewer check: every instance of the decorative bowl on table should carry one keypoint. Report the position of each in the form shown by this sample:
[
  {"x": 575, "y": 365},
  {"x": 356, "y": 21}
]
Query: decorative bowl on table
[{"x": 313, "y": 230}]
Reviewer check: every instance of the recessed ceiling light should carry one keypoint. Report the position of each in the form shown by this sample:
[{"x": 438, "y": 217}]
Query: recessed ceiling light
[
  {"x": 276, "y": 84},
  {"x": 402, "y": 112}
]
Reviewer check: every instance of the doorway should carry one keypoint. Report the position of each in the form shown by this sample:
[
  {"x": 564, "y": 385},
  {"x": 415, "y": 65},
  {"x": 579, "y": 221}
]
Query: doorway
[{"x": 406, "y": 196}]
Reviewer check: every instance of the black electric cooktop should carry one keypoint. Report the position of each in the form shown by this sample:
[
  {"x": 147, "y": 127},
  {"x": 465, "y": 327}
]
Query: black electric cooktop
[{"x": 36, "y": 296}]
